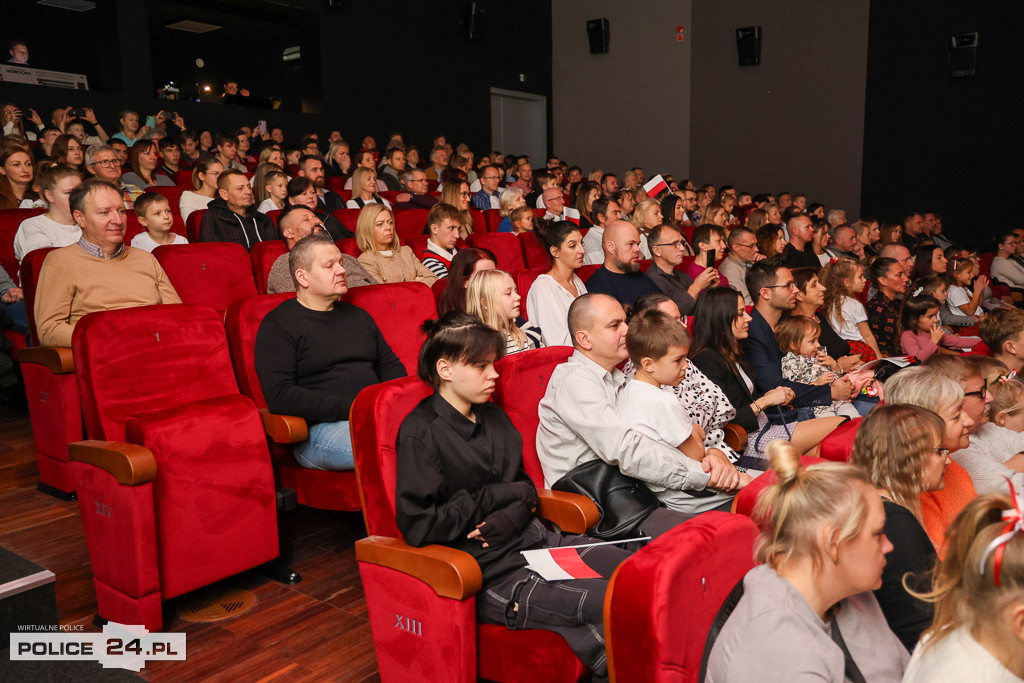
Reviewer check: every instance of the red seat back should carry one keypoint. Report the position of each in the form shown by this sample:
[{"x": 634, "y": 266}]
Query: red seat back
[
  {"x": 505, "y": 247},
  {"x": 746, "y": 499},
  {"x": 263, "y": 256},
  {"x": 584, "y": 272},
  {"x": 376, "y": 415},
  {"x": 133, "y": 360},
  {"x": 211, "y": 273},
  {"x": 30, "y": 267},
  {"x": 173, "y": 194},
  {"x": 492, "y": 218},
  {"x": 183, "y": 178},
  {"x": 985, "y": 264},
  {"x": 399, "y": 309},
  {"x": 336, "y": 184},
  {"x": 134, "y": 227},
  {"x": 390, "y": 195},
  {"x": 10, "y": 221},
  {"x": 838, "y": 445},
  {"x": 540, "y": 213},
  {"x": 479, "y": 222},
  {"x": 696, "y": 564},
  {"x": 522, "y": 380},
  {"x": 438, "y": 290},
  {"x": 243, "y": 320},
  {"x": 348, "y": 245},
  {"x": 275, "y": 214},
  {"x": 410, "y": 223},
  {"x": 534, "y": 253},
  {"x": 192, "y": 225},
  {"x": 348, "y": 218},
  {"x": 524, "y": 280}
]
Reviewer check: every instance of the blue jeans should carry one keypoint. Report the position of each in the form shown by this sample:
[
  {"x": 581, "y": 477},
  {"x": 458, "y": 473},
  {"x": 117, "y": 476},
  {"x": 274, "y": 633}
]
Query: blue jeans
[
  {"x": 329, "y": 447},
  {"x": 16, "y": 311}
]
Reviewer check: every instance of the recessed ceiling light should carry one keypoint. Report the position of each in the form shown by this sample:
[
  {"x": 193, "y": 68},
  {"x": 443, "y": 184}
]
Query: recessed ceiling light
[{"x": 193, "y": 26}]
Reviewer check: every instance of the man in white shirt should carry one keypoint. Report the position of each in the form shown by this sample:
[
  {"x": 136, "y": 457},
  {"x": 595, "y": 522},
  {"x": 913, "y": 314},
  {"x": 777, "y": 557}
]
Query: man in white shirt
[
  {"x": 602, "y": 213},
  {"x": 579, "y": 422},
  {"x": 554, "y": 204},
  {"x": 56, "y": 227}
]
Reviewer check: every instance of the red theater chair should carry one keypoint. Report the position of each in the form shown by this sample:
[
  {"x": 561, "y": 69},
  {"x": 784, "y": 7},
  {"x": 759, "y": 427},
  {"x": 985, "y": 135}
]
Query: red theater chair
[
  {"x": 492, "y": 217},
  {"x": 10, "y": 221},
  {"x": 503, "y": 245},
  {"x": 399, "y": 309},
  {"x": 183, "y": 178},
  {"x": 175, "y": 484},
  {"x": 192, "y": 225},
  {"x": 662, "y": 601},
  {"x": 838, "y": 445},
  {"x": 534, "y": 253},
  {"x": 134, "y": 227},
  {"x": 212, "y": 273},
  {"x": 524, "y": 280},
  {"x": 437, "y": 289},
  {"x": 263, "y": 255},
  {"x": 410, "y": 223},
  {"x": 743, "y": 503},
  {"x": 430, "y": 591},
  {"x": 348, "y": 218},
  {"x": 348, "y": 245},
  {"x": 479, "y": 222},
  {"x": 313, "y": 488},
  {"x": 53, "y": 404},
  {"x": 173, "y": 194}
]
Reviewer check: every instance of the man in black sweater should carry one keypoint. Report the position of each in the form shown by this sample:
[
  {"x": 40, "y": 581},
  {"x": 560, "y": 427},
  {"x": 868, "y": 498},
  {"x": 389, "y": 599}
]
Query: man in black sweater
[{"x": 315, "y": 353}]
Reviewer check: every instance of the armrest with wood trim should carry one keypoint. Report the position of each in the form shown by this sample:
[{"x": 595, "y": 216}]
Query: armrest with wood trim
[
  {"x": 451, "y": 573},
  {"x": 284, "y": 429},
  {"x": 735, "y": 437},
  {"x": 573, "y": 513},
  {"x": 128, "y": 463},
  {"x": 58, "y": 359}
]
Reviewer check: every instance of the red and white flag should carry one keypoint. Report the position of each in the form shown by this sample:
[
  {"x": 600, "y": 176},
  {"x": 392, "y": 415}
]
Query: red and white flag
[
  {"x": 655, "y": 186},
  {"x": 560, "y": 564},
  {"x": 571, "y": 214}
]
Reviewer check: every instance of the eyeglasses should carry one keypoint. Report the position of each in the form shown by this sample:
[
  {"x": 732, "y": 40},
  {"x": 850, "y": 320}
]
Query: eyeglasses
[
  {"x": 745, "y": 246},
  {"x": 490, "y": 177},
  {"x": 677, "y": 244},
  {"x": 465, "y": 194},
  {"x": 980, "y": 393},
  {"x": 105, "y": 163},
  {"x": 787, "y": 285},
  {"x": 942, "y": 452}
]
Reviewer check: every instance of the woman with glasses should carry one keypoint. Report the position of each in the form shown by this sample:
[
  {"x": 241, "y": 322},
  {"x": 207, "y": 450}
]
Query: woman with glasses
[
  {"x": 457, "y": 194},
  {"x": 937, "y": 390},
  {"x": 901, "y": 449}
]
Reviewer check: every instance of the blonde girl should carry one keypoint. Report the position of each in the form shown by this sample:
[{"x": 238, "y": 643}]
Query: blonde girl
[{"x": 493, "y": 298}]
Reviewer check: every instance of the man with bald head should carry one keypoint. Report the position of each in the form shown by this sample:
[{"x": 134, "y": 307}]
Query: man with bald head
[
  {"x": 901, "y": 255},
  {"x": 620, "y": 276},
  {"x": 294, "y": 224},
  {"x": 844, "y": 243},
  {"x": 579, "y": 423},
  {"x": 554, "y": 203}
]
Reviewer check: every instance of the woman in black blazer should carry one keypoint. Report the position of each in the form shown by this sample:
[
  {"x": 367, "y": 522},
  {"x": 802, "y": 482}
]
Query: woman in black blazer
[{"x": 720, "y": 321}]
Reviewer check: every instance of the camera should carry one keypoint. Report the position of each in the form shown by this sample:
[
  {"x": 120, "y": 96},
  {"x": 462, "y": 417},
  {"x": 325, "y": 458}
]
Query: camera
[{"x": 77, "y": 113}]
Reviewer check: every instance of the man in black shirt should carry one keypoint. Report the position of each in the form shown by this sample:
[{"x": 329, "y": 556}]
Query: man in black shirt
[
  {"x": 315, "y": 353},
  {"x": 796, "y": 254}
]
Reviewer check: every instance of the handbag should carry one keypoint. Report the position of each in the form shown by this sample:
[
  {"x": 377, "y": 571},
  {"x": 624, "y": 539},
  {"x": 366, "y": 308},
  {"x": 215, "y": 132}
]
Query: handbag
[{"x": 624, "y": 502}]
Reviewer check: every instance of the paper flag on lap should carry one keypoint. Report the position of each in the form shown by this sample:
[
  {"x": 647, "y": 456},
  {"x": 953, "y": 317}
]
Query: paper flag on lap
[
  {"x": 561, "y": 564},
  {"x": 655, "y": 185},
  {"x": 571, "y": 214}
]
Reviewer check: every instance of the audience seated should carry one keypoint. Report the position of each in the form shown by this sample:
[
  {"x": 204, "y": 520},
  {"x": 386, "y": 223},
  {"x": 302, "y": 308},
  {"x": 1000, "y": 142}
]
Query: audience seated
[
  {"x": 16, "y": 176},
  {"x": 1002, "y": 330},
  {"x": 883, "y": 310},
  {"x": 547, "y": 304},
  {"x": 97, "y": 273},
  {"x": 603, "y": 212},
  {"x": 443, "y": 224},
  {"x": 797, "y": 252},
  {"x": 56, "y": 227},
  {"x": 204, "y": 187},
  {"x": 414, "y": 183},
  {"x": 365, "y": 183},
  {"x": 383, "y": 256},
  {"x": 103, "y": 164},
  {"x": 465, "y": 264},
  {"x": 232, "y": 216},
  {"x": 492, "y": 297},
  {"x": 304, "y": 370},
  {"x": 743, "y": 251},
  {"x": 153, "y": 212},
  {"x": 312, "y": 167},
  {"x": 667, "y": 248},
  {"x": 488, "y": 197},
  {"x": 844, "y": 281},
  {"x": 301, "y": 191},
  {"x": 1004, "y": 267},
  {"x": 297, "y": 223},
  {"x": 144, "y": 162},
  {"x": 620, "y": 276}
]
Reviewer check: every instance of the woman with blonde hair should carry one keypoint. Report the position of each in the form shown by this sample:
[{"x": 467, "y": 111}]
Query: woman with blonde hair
[
  {"x": 807, "y": 611},
  {"x": 978, "y": 593},
  {"x": 511, "y": 199},
  {"x": 493, "y": 298},
  {"x": 715, "y": 214},
  {"x": 756, "y": 219},
  {"x": 364, "y": 189},
  {"x": 383, "y": 255},
  {"x": 457, "y": 194},
  {"x": 646, "y": 216},
  {"x": 900, "y": 447},
  {"x": 204, "y": 187},
  {"x": 272, "y": 155}
]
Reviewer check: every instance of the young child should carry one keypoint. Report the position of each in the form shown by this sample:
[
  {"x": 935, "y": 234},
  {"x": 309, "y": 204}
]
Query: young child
[
  {"x": 277, "y": 191},
  {"x": 954, "y": 323},
  {"x": 805, "y": 361},
  {"x": 521, "y": 219},
  {"x": 657, "y": 345},
  {"x": 844, "y": 282},
  {"x": 154, "y": 213},
  {"x": 922, "y": 336}
]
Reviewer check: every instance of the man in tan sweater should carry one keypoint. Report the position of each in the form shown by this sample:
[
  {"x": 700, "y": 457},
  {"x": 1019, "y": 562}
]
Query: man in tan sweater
[{"x": 100, "y": 272}]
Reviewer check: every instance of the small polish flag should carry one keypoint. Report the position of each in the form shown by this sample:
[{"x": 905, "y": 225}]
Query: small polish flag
[
  {"x": 655, "y": 186},
  {"x": 571, "y": 214},
  {"x": 560, "y": 564}
]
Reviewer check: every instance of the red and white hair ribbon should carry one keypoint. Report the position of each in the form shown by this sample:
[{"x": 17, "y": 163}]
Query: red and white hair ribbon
[
  {"x": 1014, "y": 519},
  {"x": 1009, "y": 377}
]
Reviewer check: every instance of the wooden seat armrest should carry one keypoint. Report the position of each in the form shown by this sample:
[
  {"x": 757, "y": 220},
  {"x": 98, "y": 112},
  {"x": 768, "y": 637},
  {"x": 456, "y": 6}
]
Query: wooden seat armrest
[
  {"x": 735, "y": 437},
  {"x": 451, "y": 573},
  {"x": 573, "y": 513},
  {"x": 58, "y": 359},
  {"x": 129, "y": 463},
  {"x": 284, "y": 428}
]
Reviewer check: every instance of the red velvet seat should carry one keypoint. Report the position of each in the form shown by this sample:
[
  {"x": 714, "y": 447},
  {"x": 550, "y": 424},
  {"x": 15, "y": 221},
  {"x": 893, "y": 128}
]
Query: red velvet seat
[
  {"x": 479, "y": 222},
  {"x": 746, "y": 499},
  {"x": 348, "y": 218},
  {"x": 431, "y": 589},
  {"x": 313, "y": 488},
  {"x": 399, "y": 309},
  {"x": 212, "y": 273},
  {"x": 524, "y": 280},
  {"x": 192, "y": 225},
  {"x": 10, "y": 221},
  {"x": 662, "y": 601},
  {"x": 175, "y": 485},
  {"x": 584, "y": 272},
  {"x": 53, "y": 404},
  {"x": 410, "y": 223},
  {"x": 437, "y": 289},
  {"x": 336, "y": 184},
  {"x": 540, "y": 213},
  {"x": 348, "y": 245},
  {"x": 274, "y": 215},
  {"x": 492, "y": 219},
  {"x": 390, "y": 195},
  {"x": 418, "y": 244},
  {"x": 134, "y": 227},
  {"x": 263, "y": 255},
  {"x": 838, "y": 445},
  {"x": 534, "y": 253},
  {"x": 183, "y": 178},
  {"x": 173, "y": 194},
  {"x": 522, "y": 380},
  {"x": 503, "y": 245}
]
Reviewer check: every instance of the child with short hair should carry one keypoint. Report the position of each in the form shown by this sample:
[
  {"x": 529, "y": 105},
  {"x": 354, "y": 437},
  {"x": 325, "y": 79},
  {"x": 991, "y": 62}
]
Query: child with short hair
[
  {"x": 954, "y": 323},
  {"x": 521, "y": 219},
  {"x": 154, "y": 213},
  {"x": 805, "y": 361},
  {"x": 844, "y": 283},
  {"x": 657, "y": 345},
  {"x": 921, "y": 335}
]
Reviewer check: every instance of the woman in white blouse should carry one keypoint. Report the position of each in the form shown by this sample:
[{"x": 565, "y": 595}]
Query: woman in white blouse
[
  {"x": 551, "y": 295},
  {"x": 204, "y": 187}
]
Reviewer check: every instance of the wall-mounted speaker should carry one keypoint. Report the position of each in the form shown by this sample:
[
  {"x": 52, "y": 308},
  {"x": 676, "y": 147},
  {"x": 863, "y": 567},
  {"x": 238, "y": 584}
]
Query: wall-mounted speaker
[
  {"x": 597, "y": 33},
  {"x": 748, "y": 45},
  {"x": 963, "y": 51}
]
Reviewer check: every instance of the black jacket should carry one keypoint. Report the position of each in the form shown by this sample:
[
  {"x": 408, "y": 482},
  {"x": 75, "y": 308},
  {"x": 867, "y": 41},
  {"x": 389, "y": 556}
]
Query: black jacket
[
  {"x": 221, "y": 224},
  {"x": 713, "y": 365}
]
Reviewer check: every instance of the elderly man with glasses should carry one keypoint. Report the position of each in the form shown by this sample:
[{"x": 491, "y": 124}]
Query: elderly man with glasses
[
  {"x": 743, "y": 252},
  {"x": 102, "y": 162},
  {"x": 488, "y": 197}
]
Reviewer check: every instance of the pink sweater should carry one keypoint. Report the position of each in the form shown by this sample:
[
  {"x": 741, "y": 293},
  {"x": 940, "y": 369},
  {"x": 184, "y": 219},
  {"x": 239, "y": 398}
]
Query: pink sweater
[{"x": 921, "y": 345}]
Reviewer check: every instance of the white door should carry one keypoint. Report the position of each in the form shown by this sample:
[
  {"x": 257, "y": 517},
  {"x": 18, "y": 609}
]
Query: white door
[{"x": 519, "y": 124}]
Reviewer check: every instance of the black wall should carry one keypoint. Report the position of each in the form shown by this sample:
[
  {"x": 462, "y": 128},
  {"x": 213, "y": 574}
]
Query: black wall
[
  {"x": 933, "y": 143},
  {"x": 390, "y": 65}
]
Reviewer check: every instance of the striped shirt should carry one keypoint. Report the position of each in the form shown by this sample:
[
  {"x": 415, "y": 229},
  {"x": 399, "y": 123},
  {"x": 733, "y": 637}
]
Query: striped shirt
[{"x": 437, "y": 259}]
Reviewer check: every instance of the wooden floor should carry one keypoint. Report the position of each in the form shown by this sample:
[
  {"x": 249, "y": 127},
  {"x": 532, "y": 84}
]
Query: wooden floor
[{"x": 316, "y": 630}]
